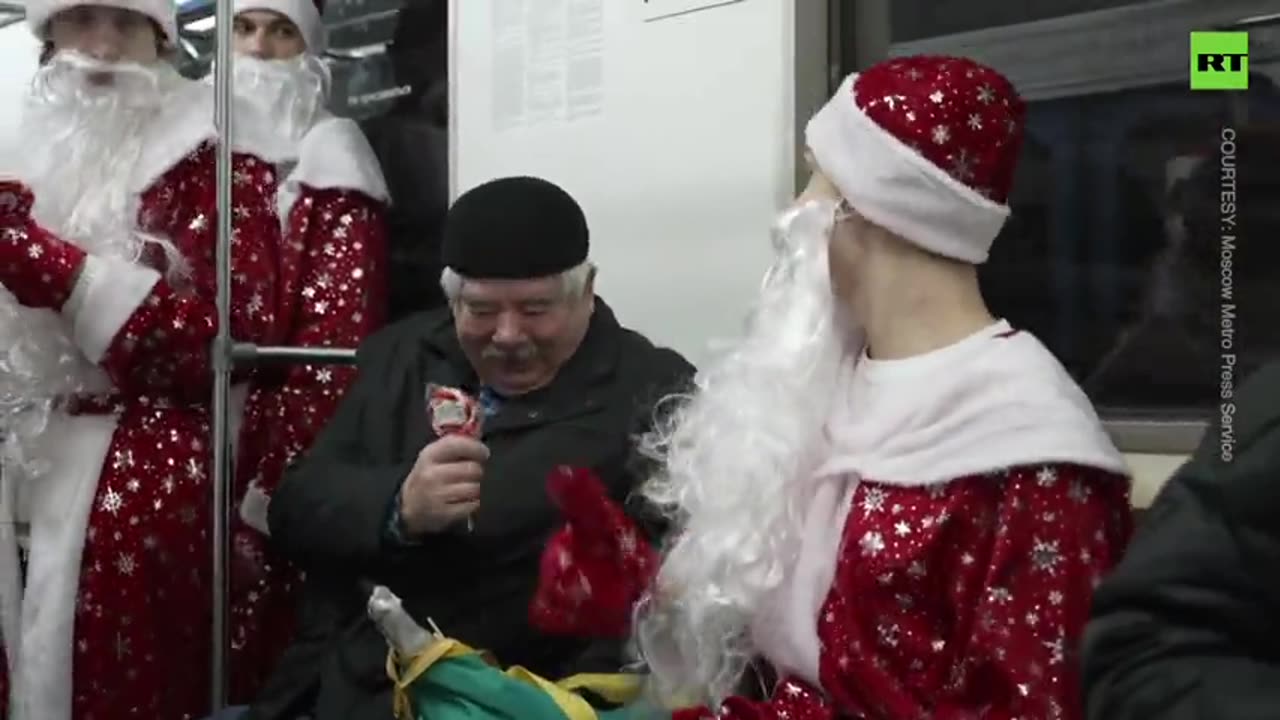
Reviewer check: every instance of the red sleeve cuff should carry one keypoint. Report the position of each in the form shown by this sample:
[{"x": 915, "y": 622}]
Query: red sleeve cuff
[{"x": 37, "y": 267}]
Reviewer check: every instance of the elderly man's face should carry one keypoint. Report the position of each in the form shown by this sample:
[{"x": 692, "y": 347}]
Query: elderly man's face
[{"x": 518, "y": 333}]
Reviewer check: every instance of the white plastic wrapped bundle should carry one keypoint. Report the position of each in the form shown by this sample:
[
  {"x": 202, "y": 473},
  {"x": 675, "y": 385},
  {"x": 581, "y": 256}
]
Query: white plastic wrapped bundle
[
  {"x": 39, "y": 367},
  {"x": 101, "y": 135},
  {"x": 402, "y": 632}
]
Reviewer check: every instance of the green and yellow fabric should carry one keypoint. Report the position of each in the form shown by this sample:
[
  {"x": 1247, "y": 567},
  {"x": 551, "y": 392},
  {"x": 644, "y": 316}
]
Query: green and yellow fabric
[{"x": 449, "y": 681}]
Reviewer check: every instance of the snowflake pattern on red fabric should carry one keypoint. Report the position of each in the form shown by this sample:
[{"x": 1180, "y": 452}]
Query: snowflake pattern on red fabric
[
  {"x": 27, "y": 251},
  {"x": 142, "y": 643},
  {"x": 963, "y": 117},
  {"x": 332, "y": 282},
  {"x": 333, "y": 295},
  {"x": 960, "y": 600}
]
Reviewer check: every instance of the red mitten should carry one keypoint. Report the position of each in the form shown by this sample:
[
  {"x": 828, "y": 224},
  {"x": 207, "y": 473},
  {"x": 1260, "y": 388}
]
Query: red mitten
[
  {"x": 38, "y": 268},
  {"x": 593, "y": 569}
]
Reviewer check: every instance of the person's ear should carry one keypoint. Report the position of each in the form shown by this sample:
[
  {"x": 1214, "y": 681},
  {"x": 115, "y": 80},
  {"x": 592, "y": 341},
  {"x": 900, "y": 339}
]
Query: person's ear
[
  {"x": 819, "y": 188},
  {"x": 589, "y": 290}
]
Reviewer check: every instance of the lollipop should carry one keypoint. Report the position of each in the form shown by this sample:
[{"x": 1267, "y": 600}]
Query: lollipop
[{"x": 453, "y": 412}]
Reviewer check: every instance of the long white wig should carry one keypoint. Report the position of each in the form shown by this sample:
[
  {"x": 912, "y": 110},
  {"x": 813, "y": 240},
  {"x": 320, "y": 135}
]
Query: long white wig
[{"x": 736, "y": 461}]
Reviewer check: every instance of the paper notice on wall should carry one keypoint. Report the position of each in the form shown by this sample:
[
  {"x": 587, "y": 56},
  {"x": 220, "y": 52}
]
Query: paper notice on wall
[
  {"x": 548, "y": 62},
  {"x": 662, "y": 9}
]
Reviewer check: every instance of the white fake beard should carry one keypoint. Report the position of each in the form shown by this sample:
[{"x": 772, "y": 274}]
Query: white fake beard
[
  {"x": 81, "y": 142},
  {"x": 735, "y": 459},
  {"x": 288, "y": 95}
]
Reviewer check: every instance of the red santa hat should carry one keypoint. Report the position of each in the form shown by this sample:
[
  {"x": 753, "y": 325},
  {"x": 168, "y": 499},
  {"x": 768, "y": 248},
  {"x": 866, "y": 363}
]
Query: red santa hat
[
  {"x": 305, "y": 14},
  {"x": 164, "y": 12},
  {"x": 924, "y": 147}
]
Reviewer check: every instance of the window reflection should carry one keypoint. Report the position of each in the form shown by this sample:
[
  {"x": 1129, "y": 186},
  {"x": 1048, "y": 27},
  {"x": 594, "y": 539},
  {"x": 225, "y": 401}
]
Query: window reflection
[
  {"x": 388, "y": 62},
  {"x": 402, "y": 97},
  {"x": 1112, "y": 253},
  {"x": 1125, "y": 293}
]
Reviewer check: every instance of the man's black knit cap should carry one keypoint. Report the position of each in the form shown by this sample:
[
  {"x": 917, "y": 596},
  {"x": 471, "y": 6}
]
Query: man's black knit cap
[{"x": 514, "y": 228}]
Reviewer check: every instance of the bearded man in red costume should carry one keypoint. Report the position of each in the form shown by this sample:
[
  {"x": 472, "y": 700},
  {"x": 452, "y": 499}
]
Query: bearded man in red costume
[
  {"x": 327, "y": 170},
  {"x": 896, "y": 502},
  {"x": 107, "y": 250}
]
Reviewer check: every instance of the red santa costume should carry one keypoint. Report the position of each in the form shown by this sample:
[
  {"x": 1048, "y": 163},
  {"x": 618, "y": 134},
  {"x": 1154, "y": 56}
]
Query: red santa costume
[
  {"x": 107, "y": 265},
  {"x": 332, "y": 198},
  {"x": 897, "y": 539}
]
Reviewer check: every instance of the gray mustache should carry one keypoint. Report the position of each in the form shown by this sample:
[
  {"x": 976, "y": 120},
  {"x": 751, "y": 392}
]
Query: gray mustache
[{"x": 520, "y": 354}]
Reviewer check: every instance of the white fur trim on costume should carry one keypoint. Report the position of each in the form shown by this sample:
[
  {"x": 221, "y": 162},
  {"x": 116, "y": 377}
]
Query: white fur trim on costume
[
  {"x": 61, "y": 504},
  {"x": 989, "y": 403},
  {"x": 302, "y": 13},
  {"x": 164, "y": 12},
  {"x": 897, "y": 188},
  {"x": 334, "y": 154},
  {"x": 104, "y": 298},
  {"x": 253, "y": 506},
  {"x": 992, "y": 401},
  {"x": 253, "y": 509},
  {"x": 62, "y": 501}
]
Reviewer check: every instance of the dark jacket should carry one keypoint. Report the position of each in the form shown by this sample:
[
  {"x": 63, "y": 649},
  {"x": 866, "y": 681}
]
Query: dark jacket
[
  {"x": 413, "y": 153},
  {"x": 1186, "y": 628},
  {"x": 330, "y": 514}
]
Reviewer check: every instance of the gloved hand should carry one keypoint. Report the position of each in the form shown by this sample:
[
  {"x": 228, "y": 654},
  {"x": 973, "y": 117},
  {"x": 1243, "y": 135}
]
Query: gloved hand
[
  {"x": 38, "y": 268},
  {"x": 596, "y": 567}
]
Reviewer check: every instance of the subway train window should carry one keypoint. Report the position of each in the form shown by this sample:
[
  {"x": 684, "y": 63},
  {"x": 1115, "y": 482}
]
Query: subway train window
[
  {"x": 1122, "y": 253},
  {"x": 387, "y": 60},
  {"x": 920, "y": 19}
]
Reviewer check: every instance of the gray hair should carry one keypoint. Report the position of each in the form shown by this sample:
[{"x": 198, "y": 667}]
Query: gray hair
[{"x": 574, "y": 281}]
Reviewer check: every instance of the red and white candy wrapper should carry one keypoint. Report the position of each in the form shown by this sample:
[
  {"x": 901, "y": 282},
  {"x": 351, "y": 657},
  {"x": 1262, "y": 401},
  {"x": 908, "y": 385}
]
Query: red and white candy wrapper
[{"x": 453, "y": 412}]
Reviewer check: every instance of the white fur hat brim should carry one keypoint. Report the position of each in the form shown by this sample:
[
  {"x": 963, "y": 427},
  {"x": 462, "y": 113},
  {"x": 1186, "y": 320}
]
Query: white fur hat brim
[
  {"x": 163, "y": 12},
  {"x": 302, "y": 13},
  {"x": 898, "y": 189}
]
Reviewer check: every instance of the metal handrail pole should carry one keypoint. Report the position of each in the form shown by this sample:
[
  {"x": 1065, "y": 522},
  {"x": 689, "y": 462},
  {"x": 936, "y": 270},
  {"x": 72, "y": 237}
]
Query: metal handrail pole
[
  {"x": 220, "y": 506},
  {"x": 248, "y": 352}
]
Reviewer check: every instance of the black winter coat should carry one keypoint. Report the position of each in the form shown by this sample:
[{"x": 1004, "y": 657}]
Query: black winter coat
[
  {"x": 1188, "y": 626},
  {"x": 331, "y": 512}
]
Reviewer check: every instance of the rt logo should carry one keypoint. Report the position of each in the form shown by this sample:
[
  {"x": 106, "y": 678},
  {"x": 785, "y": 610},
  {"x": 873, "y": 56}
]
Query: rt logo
[{"x": 1219, "y": 61}]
